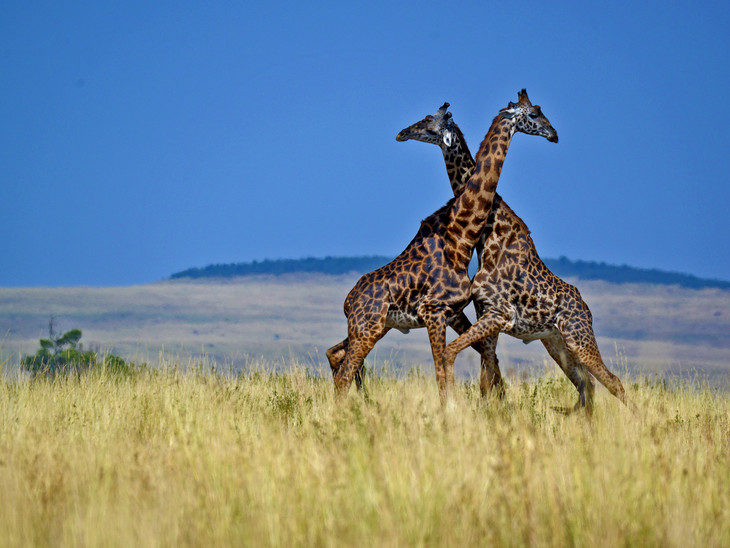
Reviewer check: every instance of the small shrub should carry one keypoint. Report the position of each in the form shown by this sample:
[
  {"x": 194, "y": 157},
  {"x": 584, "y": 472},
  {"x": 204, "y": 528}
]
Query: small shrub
[{"x": 64, "y": 354}]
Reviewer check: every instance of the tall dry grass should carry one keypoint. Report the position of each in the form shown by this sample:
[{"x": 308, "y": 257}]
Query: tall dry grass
[{"x": 166, "y": 458}]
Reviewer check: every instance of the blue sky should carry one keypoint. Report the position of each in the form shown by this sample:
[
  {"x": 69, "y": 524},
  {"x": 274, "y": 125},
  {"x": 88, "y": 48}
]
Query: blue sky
[{"x": 142, "y": 138}]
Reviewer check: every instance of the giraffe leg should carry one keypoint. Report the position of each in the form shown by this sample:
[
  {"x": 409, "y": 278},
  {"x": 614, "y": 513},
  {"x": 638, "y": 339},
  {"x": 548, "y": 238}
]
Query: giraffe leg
[
  {"x": 488, "y": 325},
  {"x": 490, "y": 376},
  {"x": 365, "y": 328},
  {"x": 437, "y": 337},
  {"x": 359, "y": 348},
  {"x": 581, "y": 342},
  {"x": 360, "y": 373},
  {"x": 336, "y": 355},
  {"x": 574, "y": 370}
]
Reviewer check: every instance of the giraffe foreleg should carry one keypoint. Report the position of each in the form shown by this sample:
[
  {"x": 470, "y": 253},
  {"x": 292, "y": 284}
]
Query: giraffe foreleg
[
  {"x": 490, "y": 376},
  {"x": 437, "y": 337},
  {"x": 434, "y": 317},
  {"x": 487, "y": 326}
]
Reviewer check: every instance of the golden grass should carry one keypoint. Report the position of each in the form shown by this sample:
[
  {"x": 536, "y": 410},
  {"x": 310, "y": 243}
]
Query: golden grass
[{"x": 166, "y": 458}]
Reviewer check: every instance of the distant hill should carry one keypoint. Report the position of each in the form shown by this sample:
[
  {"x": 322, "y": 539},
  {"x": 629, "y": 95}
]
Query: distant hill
[
  {"x": 563, "y": 267},
  {"x": 588, "y": 270},
  {"x": 328, "y": 265}
]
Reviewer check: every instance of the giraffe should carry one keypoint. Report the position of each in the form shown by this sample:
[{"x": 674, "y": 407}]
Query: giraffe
[
  {"x": 428, "y": 283},
  {"x": 504, "y": 228},
  {"x": 513, "y": 291}
]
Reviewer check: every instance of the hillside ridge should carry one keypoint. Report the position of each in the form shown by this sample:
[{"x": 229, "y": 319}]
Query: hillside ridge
[{"x": 563, "y": 267}]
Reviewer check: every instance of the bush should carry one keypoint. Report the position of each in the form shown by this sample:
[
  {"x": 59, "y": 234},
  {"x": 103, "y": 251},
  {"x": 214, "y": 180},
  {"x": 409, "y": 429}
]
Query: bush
[{"x": 61, "y": 355}]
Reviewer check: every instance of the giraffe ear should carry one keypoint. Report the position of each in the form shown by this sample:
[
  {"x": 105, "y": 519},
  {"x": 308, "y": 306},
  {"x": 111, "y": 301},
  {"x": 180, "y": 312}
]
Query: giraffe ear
[{"x": 447, "y": 138}]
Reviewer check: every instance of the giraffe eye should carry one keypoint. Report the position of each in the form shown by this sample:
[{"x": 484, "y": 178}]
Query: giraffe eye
[{"x": 534, "y": 115}]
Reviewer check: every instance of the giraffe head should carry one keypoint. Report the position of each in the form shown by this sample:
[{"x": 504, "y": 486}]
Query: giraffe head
[
  {"x": 438, "y": 129},
  {"x": 528, "y": 118}
]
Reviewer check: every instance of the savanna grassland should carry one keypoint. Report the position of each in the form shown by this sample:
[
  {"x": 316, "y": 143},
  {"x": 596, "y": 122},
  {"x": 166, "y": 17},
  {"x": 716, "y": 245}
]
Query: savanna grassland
[
  {"x": 177, "y": 453},
  {"x": 646, "y": 329},
  {"x": 170, "y": 458}
]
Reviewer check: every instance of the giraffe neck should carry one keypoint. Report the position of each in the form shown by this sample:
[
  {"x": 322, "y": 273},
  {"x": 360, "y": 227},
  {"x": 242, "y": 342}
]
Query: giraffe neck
[
  {"x": 471, "y": 208},
  {"x": 459, "y": 162}
]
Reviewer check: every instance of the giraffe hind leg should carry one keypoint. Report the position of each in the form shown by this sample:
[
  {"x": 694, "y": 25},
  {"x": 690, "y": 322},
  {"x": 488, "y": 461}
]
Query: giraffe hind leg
[
  {"x": 575, "y": 372},
  {"x": 336, "y": 355},
  {"x": 366, "y": 326},
  {"x": 357, "y": 350},
  {"x": 582, "y": 343}
]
